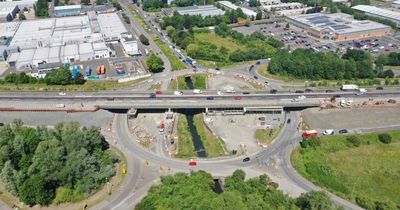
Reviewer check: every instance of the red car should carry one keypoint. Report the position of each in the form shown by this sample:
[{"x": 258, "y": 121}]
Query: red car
[
  {"x": 192, "y": 163},
  {"x": 158, "y": 92},
  {"x": 238, "y": 97}
]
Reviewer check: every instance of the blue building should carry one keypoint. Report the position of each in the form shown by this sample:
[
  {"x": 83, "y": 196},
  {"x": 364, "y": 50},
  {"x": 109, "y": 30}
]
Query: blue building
[{"x": 70, "y": 10}]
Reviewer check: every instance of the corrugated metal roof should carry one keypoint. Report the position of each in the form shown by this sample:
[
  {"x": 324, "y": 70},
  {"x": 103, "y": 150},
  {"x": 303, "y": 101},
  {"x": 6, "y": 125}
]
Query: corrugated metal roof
[
  {"x": 378, "y": 11},
  {"x": 67, "y": 7}
]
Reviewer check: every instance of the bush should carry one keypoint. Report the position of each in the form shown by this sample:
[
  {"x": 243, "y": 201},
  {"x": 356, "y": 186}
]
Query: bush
[
  {"x": 385, "y": 138},
  {"x": 388, "y": 205},
  {"x": 143, "y": 39},
  {"x": 354, "y": 140},
  {"x": 310, "y": 142},
  {"x": 365, "y": 203}
]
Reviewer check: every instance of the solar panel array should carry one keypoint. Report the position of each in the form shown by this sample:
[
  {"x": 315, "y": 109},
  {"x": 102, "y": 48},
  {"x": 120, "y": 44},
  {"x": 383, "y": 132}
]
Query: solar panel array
[{"x": 325, "y": 21}]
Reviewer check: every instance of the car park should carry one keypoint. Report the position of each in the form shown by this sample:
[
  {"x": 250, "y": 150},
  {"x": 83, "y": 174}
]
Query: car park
[
  {"x": 246, "y": 159},
  {"x": 343, "y": 131}
]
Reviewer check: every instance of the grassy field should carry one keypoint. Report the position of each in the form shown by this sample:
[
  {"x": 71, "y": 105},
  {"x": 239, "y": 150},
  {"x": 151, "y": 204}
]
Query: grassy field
[
  {"x": 265, "y": 136},
  {"x": 185, "y": 143},
  {"x": 213, "y": 145},
  {"x": 138, "y": 18},
  {"x": 369, "y": 171},
  {"x": 218, "y": 41},
  {"x": 88, "y": 86},
  {"x": 199, "y": 82},
  {"x": 176, "y": 64},
  {"x": 156, "y": 86}
]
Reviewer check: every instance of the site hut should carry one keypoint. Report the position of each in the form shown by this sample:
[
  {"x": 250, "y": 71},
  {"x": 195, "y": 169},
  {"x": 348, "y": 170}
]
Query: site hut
[
  {"x": 337, "y": 27},
  {"x": 378, "y": 12}
]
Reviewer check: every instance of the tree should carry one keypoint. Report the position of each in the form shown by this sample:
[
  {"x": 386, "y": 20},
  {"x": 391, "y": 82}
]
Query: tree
[
  {"x": 154, "y": 63},
  {"x": 85, "y": 2},
  {"x": 60, "y": 76},
  {"x": 314, "y": 200},
  {"x": 254, "y": 3},
  {"x": 21, "y": 16},
  {"x": 388, "y": 74},
  {"x": 8, "y": 175},
  {"x": 35, "y": 190},
  {"x": 385, "y": 138},
  {"x": 259, "y": 15},
  {"x": 143, "y": 39}
]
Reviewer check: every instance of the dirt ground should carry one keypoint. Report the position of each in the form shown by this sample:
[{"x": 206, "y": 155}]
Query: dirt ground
[
  {"x": 224, "y": 83},
  {"x": 351, "y": 118}
]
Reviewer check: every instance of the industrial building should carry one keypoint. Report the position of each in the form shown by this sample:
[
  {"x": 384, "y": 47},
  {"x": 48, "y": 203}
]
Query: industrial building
[
  {"x": 229, "y": 5},
  {"x": 286, "y": 9},
  {"x": 337, "y": 27},
  {"x": 61, "y": 40},
  {"x": 291, "y": 12},
  {"x": 378, "y": 12},
  {"x": 206, "y": 10},
  {"x": 10, "y": 9},
  {"x": 69, "y": 10}
]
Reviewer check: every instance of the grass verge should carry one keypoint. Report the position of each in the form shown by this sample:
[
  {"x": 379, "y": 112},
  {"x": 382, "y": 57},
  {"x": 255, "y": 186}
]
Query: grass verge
[
  {"x": 369, "y": 171},
  {"x": 265, "y": 136},
  {"x": 213, "y": 145},
  {"x": 88, "y": 86},
  {"x": 185, "y": 143},
  {"x": 138, "y": 18},
  {"x": 199, "y": 82},
  {"x": 176, "y": 64}
]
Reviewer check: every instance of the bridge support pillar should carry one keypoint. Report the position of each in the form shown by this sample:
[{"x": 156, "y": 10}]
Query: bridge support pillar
[{"x": 132, "y": 113}]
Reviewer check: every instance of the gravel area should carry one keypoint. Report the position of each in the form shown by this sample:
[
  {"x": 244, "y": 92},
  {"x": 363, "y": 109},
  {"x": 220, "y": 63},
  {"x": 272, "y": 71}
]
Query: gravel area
[
  {"x": 351, "y": 118},
  {"x": 224, "y": 83}
]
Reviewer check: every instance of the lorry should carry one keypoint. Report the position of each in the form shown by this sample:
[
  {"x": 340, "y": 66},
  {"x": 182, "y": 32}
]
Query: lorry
[
  {"x": 120, "y": 70},
  {"x": 310, "y": 133},
  {"x": 98, "y": 70},
  {"x": 196, "y": 91},
  {"x": 349, "y": 87},
  {"x": 102, "y": 69}
]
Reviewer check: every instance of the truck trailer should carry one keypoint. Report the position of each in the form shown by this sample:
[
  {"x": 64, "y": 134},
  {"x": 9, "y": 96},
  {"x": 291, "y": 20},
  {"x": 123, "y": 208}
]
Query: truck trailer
[{"x": 349, "y": 87}]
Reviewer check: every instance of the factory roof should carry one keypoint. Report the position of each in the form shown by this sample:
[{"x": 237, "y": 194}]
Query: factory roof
[
  {"x": 111, "y": 25},
  {"x": 67, "y": 7},
  {"x": 230, "y": 5},
  {"x": 9, "y": 28},
  {"x": 85, "y": 48},
  {"x": 41, "y": 54},
  {"x": 378, "y": 11},
  {"x": 22, "y": 3},
  {"x": 206, "y": 10},
  {"x": 338, "y": 22}
]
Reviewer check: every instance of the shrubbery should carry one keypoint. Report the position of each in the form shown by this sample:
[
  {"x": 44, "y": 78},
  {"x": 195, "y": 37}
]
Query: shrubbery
[
  {"x": 310, "y": 142},
  {"x": 353, "y": 140},
  {"x": 385, "y": 138}
]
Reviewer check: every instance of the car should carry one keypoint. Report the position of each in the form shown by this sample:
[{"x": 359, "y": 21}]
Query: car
[
  {"x": 266, "y": 82},
  {"x": 210, "y": 98},
  {"x": 158, "y": 92},
  {"x": 308, "y": 90},
  {"x": 328, "y": 132},
  {"x": 342, "y": 131},
  {"x": 192, "y": 163},
  {"x": 152, "y": 95},
  {"x": 62, "y": 94},
  {"x": 261, "y": 118},
  {"x": 255, "y": 77},
  {"x": 1, "y": 124},
  {"x": 110, "y": 98},
  {"x": 238, "y": 98},
  {"x": 246, "y": 159},
  {"x": 329, "y": 91},
  {"x": 299, "y": 91},
  {"x": 391, "y": 101},
  {"x": 246, "y": 93},
  {"x": 217, "y": 69},
  {"x": 288, "y": 121},
  {"x": 379, "y": 88},
  {"x": 273, "y": 91},
  {"x": 258, "y": 62},
  {"x": 336, "y": 96},
  {"x": 220, "y": 93},
  {"x": 60, "y": 105}
]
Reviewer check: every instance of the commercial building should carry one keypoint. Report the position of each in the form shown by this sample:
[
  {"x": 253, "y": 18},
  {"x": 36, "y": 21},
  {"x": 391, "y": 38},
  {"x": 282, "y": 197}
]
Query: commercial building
[
  {"x": 378, "y": 12},
  {"x": 104, "y": 8},
  {"x": 291, "y": 12},
  {"x": 270, "y": 2},
  {"x": 69, "y": 10},
  {"x": 65, "y": 40},
  {"x": 206, "y": 10},
  {"x": 10, "y": 9},
  {"x": 396, "y": 4},
  {"x": 337, "y": 26},
  {"x": 229, "y": 5},
  {"x": 282, "y": 6}
]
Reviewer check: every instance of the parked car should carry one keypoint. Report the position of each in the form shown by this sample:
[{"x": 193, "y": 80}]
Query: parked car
[
  {"x": 258, "y": 62},
  {"x": 60, "y": 105},
  {"x": 246, "y": 159},
  {"x": 328, "y": 132},
  {"x": 255, "y": 77},
  {"x": 288, "y": 121},
  {"x": 1, "y": 124},
  {"x": 392, "y": 101},
  {"x": 379, "y": 88},
  {"x": 343, "y": 131}
]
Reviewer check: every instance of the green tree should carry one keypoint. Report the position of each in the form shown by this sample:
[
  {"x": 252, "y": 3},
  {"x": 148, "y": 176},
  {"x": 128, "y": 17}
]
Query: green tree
[
  {"x": 143, "y": 39},
  {"x": 154, "y": 63},
  {"x": 8, "y": 176},
  {"x": 60, "y": 76},
  {"x": 385, "y": 138},
  {"x": 314, "y": 200},
  {"x": 35, "y": 190},
  {"x": 254, "y": 3},
  {"x": 85, "y": 2},
  {"x": 228, "y": 201}
]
